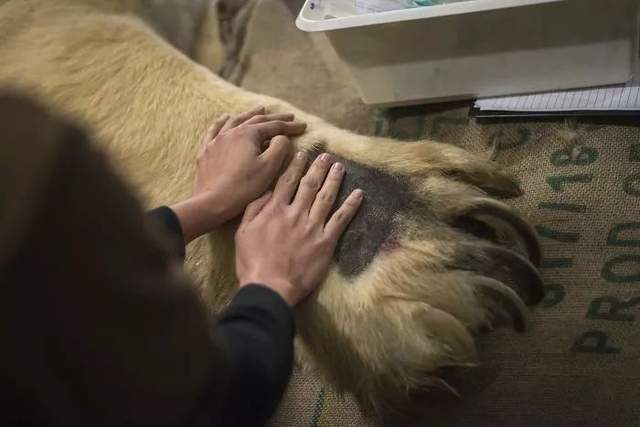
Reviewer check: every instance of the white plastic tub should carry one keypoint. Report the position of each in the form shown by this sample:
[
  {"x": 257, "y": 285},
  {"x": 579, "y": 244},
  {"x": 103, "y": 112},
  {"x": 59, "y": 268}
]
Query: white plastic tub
[{"x": 481, "y": 48}]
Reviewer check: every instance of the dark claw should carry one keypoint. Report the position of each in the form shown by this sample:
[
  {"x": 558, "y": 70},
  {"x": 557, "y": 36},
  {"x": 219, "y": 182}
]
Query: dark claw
[
  {"x": 489, "y": 207},
  {"x": 505, "y": 266},
  {"x": 496, "y": 185},
  {"x": 503, "y": 301}
]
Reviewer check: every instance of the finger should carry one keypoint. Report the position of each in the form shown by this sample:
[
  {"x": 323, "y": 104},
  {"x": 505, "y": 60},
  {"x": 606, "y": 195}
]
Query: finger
[
  {"x": 270, "y": 129},
  {"x": 253, "y": 209},
  {"x": 261, "y": 118},
  {"x": 312, "y": 181},
  {"x": 288, "y": 182},
  {"x": 243, "y": 117},
  {"x": 275, "y": 154},
  {"x": 215, "y": 128},
  {"x": 326, "y": 197},
  {"x": 343, "y": 216}
]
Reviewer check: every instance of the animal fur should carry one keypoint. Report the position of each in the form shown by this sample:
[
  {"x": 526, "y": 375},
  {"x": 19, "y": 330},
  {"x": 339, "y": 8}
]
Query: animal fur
[{"x": 442, "y": 270}]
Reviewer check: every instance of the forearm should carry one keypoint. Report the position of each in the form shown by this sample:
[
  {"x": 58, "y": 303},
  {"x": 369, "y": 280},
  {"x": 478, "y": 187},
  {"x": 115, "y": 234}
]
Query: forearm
[
  {"x": 258, "y": 329},
  {"x": 201, "y": 214},
  {"x": 257, "y": 334},
  {"x": 169, "y": 222}
]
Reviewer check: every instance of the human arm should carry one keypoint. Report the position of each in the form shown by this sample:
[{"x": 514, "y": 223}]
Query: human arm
[
  {"x": 285, "y": 244},
  {"x": 257, "y": 333}
]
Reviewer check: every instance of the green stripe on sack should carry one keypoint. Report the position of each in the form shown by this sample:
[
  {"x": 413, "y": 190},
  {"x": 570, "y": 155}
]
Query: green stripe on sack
[{"x": 318, "y": 409}]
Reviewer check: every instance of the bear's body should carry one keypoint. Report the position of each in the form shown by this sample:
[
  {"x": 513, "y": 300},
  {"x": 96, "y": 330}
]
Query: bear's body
[{"x": 411, "y": 283}]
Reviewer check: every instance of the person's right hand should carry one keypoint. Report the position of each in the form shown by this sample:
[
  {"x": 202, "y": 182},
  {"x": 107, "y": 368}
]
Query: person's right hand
[{"x": 285, "y": 241}]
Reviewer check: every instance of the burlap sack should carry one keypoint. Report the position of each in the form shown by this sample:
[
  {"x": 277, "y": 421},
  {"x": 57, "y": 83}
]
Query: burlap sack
[{"x": 579, "y": 363}]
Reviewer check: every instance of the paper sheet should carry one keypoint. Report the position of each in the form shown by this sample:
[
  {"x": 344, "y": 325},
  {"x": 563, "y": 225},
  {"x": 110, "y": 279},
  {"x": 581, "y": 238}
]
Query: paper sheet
[
  {"x": 345, "y": 8},
  {"x": 624, "y": 97}
]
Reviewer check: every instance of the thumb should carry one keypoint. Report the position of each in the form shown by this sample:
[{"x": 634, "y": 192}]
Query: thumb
[
  {"x": 275, "y": 154},
  {"x": 253, "y": 209}
]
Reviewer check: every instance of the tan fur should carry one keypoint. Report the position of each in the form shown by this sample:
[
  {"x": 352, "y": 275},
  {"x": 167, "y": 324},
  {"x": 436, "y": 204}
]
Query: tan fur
[{"x": 380, "y": 334}]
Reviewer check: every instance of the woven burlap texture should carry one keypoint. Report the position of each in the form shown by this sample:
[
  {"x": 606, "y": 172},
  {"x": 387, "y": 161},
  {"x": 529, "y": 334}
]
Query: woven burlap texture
[{"x": 580, "y": 362}]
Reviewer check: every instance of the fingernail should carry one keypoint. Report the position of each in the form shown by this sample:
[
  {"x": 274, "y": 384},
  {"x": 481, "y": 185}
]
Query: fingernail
[
  {"x": 358, "y": 194},
  {"x": 301, "y": 155},
  {"x": 324, "y": 157},
  {"x": 338, "y": 168}
]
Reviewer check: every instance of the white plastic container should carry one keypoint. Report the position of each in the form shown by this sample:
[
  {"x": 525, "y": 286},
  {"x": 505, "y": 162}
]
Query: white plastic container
[{"x": 480, "y": 48}]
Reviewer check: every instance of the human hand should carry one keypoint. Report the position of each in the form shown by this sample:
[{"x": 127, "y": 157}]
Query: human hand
[
  {"x": 285, "y": 241},
  {"x": 233, "y": 169}
]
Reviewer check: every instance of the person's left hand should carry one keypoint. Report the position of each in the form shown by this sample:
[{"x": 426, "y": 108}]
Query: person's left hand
[{"x": 233, "y": 169}]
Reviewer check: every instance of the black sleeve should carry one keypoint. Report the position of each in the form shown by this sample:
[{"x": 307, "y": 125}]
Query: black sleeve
[
  {"x": 258, "y": 329},
  {"x": 168, "y": 220}
]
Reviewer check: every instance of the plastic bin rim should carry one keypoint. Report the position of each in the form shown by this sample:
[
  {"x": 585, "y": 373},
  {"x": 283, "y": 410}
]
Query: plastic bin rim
[{"x": 465, "y": 7}]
